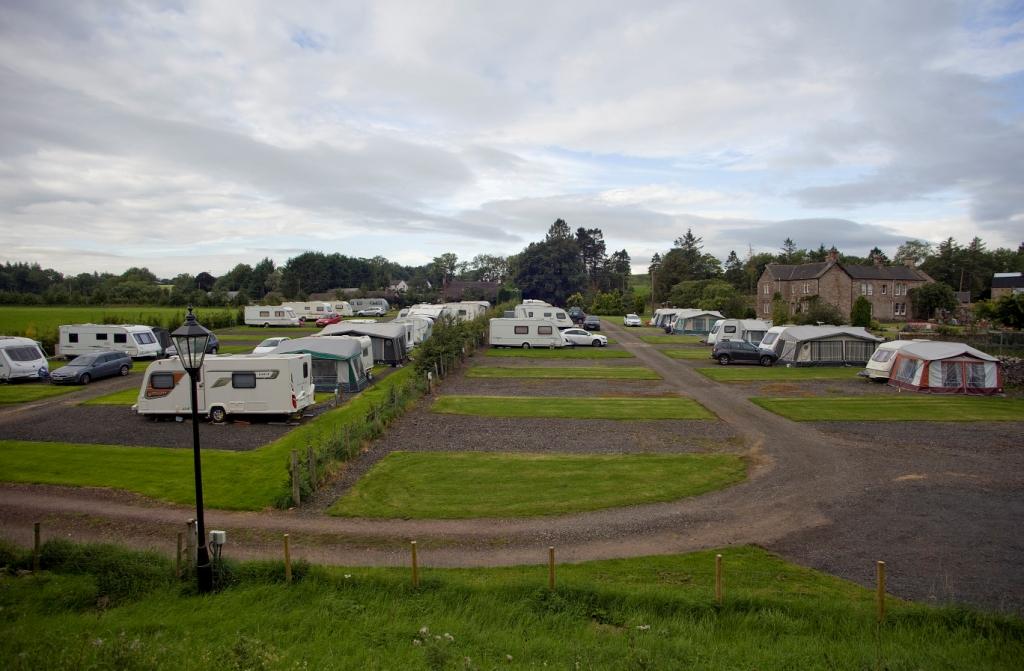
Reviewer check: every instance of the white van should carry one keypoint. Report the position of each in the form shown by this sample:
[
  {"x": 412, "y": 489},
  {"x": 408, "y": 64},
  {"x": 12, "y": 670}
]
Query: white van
[
  {"x": 270, "y": 315},
  {"x": 138, "y": 342},
  {"x": 310, "y": 310},
  {"x": 880, "y": 364},
  {"x": 230, "y": 385},
  {"x": 525, "y": 333},
  {"x": 541, "y": 310},
  {"x": 21, "y": 359}
]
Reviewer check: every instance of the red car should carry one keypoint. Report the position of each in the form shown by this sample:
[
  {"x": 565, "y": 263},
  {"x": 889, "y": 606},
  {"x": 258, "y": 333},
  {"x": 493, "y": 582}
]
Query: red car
[{"x": 326, "y": 320}]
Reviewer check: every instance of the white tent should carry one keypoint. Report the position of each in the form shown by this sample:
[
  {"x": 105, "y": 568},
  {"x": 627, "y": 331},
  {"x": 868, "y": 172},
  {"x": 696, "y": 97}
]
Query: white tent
[
  {"x": 946, "y": 368},
  {"x": 825, "y": 345}
]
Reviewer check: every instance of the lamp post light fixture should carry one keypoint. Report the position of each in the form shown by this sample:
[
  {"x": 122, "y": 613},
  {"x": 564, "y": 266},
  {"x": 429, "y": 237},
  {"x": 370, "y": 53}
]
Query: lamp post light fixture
[{"x": 190, "y": 339}]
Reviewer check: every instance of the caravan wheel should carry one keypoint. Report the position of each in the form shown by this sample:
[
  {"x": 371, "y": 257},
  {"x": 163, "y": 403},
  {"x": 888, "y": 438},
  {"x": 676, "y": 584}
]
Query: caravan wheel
[
  {"x": 266, "y": 325},
  {"x": 217, "y": 415},
  {"x": 766, "y": 361},
  {"x": 526, "y": 345}
]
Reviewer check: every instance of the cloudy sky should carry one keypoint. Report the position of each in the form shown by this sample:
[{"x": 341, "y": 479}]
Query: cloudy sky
[{"x": 190, "y": 136}]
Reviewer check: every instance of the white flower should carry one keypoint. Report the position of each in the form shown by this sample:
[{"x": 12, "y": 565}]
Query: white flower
[
  {"x": 424, "y": 631},
  {"x": 417, "y": 641},
  {"x": 644, "y": 627},
  {"x": 347, "y": 576},
  {"x": 448, "y": 637},
  {"x": 97, "y": 642},
  {"x": 508, "y": 658}
]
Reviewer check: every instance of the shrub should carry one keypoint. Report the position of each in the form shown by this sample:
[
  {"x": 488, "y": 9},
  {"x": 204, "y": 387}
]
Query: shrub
[{"x": 860, "y": 315}]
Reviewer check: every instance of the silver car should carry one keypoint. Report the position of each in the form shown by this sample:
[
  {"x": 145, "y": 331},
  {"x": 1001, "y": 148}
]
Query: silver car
[{"x": 93, "y": 366}]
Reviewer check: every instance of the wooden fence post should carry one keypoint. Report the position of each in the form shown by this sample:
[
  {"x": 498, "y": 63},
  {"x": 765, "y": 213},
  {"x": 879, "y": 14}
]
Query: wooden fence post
[
  {"x": 177, "y": 557},
  {"x": 35, "y": 547},
  {"x": 429, "y": 384},
  {"x": 415, "y": 566},
  {"x": 551, "y": 567},
  {"x": 296, "y": 489},
  {"x": 287, "y": 561},
  {"x": 880, "y": 575},
  {"x": 718, "y": 579},
  {"x": 191, "y": 543},
  {"x": 311, "y": 465}
]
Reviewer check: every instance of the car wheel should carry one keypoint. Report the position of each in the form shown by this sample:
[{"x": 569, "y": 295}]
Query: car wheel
[
  {"x": 595, "y": 343},
  {"x": 766, "y": 361},
  {"x": 217, "y": 415},
  {"x": 125, "y": 369},
  {"x": 526, "y": 345},
  {"x": 723, "y": 359},
  {"x": 85, "y": 379},
  {"x": 213, "y": 350}
]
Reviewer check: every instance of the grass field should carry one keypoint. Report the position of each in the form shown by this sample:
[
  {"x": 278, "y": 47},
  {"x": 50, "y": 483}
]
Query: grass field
[
  {"x": 232, "y": 480},
  {"x": 11, "y": 394},
  {"x": 455, "y": 485},
  {"x": 671, "y": 339},
  {"x": 575, "y": 373},
  {"x": 560, "y": 353},
  {"x": 43, "y": 322},
  {"x": 693, "y": 353},
  {"x": 776, "y": 373},
  {"x": 257, "y": 333},
  {"x": 643, "y": 613},
  {"x": 572, "y": 408},
  {"x": 236, "y": 349},
  {"x": 906, "y": 407}
]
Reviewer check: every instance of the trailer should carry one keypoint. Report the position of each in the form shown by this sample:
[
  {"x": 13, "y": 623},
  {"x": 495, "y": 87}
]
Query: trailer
[
  {"x": 525, "y": 333},
  {"x": 532, "y": 309},
  {"x": 270, "y": 315},
  {"x": 241, "y": 384},
  {"x": 135, "y": 340},
  {"x": 310, "y": 310},
  {"x": 22, "y": 359}
]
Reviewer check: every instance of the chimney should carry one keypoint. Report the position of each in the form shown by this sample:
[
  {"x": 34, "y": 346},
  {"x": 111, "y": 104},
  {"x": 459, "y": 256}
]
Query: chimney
[
  {"x": 909, "y": 263},
  {"x": 833, "y": 255}
]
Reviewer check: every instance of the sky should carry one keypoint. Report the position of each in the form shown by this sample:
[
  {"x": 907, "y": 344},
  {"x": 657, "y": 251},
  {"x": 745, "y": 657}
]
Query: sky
[{"x": 192, "y": 136}]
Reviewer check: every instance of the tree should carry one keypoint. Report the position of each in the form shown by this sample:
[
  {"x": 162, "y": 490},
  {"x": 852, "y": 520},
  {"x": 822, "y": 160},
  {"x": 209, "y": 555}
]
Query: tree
[
  {"x": 734, "y": 273},
  {"x": 1009, "y": 311},
  {"x": 914, "y": 251},
  {"x": 205, "y": 281},
  {"x": 877, "y": 254},
  {"x": 780, "y": 310},
  {"x": 445, "y": 267},
  {"x": 723, "y": 297},
  {"x": 607, "y": 303},
  {"x": 860, "y": 315},
  {"x": 813, "y": 310},
  {"x": 592, "y": 251},
  {"x": 932, "y": 298},
  {"x": 789, "y": 250},
  {"x": 551, "y": 269},
  {"x": 574, "y": 301},
  {"x": 488, "y": 268}
]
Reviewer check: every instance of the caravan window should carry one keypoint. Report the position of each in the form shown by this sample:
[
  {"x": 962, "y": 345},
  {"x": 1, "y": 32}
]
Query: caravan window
[
  {"x": 144, "y": 338},
  {"x": 101, "y": 336},
  {"x": 827, "y": 350},
  {"x": 769, "y": 338},
  {"x": 121, "y": 337},
  {"x": 264, "y": 313},
  {"x": 730, "y": 329},
  {"x": 305, "y": 370},
  {"x": 560, "y": 315},
  {"x": 161, "y": 380},
  {"x": 882, "y": 355},
  {"x": 26, "y": 353},
  {"x": 543, "y": 330},
  {"x": 859, "y": 350},
  {"x": 243, "y": 380},
  {"x": 72, "y": 337},
  {"x": 522, "y": 330},
  {"x": 279, "y": 313}
]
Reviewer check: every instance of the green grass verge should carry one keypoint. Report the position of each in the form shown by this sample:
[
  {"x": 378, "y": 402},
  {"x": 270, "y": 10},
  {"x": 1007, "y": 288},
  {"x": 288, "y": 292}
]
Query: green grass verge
[
  {"x": 777, "y": 373},
  {"x": 452, "y": 485},
  {"x": 232, "y": 480},
  {"x": 572, "y": 408},
  {"x": 641, "y": 613},
  {"x": 560, "y": 353},
  {"x": 236, "y": 349},
  {"x": 689, "y": 354},
  {"x": 11, "y": 394},
  {"x": 575, "y": 373},
  {"x": 123, "y": 397},
  {"x": 671, "y": 339},
  {"x": 905, "y": 407}
]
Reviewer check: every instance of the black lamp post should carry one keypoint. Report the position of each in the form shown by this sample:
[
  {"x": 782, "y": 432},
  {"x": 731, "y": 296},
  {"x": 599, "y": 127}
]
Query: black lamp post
[{"x": 190, "y": 339}]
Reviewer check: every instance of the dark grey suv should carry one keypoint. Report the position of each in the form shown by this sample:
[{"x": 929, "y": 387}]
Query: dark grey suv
[
  {"x": 93, "y": 366},
  {"x": 741, "y": 351}
]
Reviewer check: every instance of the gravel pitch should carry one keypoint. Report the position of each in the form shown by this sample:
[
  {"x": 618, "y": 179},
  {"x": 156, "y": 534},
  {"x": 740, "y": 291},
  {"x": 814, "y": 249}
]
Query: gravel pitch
[{"x": 558, "y": 387}]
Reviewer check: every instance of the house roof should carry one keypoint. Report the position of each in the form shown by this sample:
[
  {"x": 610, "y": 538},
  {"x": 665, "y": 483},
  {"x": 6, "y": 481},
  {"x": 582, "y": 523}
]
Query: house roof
[
  {"x": 803, "y": 271},
  {"x": 1008, "y": 280},
  {"x": 883, "y": 272}
]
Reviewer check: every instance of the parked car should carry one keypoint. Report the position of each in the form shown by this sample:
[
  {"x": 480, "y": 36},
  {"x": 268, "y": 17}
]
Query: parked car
[
  {"x": 575, "y": 336},
  {"x": 592, "y": 323},
  {"x": 372, "y": 312},
  {"x": 269, "y": 345},
  {"x": 631, "y": 320},
  {"x": 741, "y": 351},
  {"x": 212, "y": 346},
  {"x": 577, "y": 315},
  {"x": 93, "y": 366},
  {"x": 327, "y": 320}
]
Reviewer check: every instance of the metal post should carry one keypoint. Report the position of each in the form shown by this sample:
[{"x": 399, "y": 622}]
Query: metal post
[{"x": 204, "y": 571}]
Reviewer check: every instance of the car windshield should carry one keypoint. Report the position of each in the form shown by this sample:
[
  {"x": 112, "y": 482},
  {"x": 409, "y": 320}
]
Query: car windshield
[{"x": 83, "y": 361}]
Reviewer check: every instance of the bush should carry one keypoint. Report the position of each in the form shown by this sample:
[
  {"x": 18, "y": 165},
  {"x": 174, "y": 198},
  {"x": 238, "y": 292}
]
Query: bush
[{"x": 860, "y": 315}]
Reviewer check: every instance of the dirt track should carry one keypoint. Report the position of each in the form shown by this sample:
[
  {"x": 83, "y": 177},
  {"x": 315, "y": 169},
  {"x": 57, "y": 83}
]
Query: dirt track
[{"x": 945, "y": 517}]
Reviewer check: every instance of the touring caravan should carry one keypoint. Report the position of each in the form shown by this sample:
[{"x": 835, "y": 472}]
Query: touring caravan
[
  {"x": 21, "y": 359},
  {"x": 270, "y": 315},
  {"x": 310, "y": 310},
  {"x": 343, "y": 308},
  {"x": 388, "y": 339},
  {"x": 337, "y": 362},
  {"x": 750, "y": 330},
  {"x": 363, "y": 303},
  {"x": 693, "y": 322},
  {"x": 138, "y": 342},
  {"x": 879, "y": 366},
  {"x": 525, "y": 333},
  {"x": 821, "y": 345},
  {"x": 231, "y": 385},
  {"x": 422, "y": 327},
  {"x": 466, "y": 310},
  {"x": 541, "y": 310}
]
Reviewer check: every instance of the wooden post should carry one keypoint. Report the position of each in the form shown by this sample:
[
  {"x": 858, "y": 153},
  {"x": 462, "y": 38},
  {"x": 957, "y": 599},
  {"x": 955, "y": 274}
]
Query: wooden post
[
  {"x": 177, "y": 560},
  {"x": 348, "y": 447},
  {"x": 287, "y": 561},
  {"x": 191, "y": 543},
  {"x": 718, "y": 579},
  {"x": 436, "y": 374},
  {"x": 429, "y": 383},
  {"x": 296, "y": 490},
  {"x": 35, "y": 548},
  {"x": 880, "y": 575},
  {"x": 415, "y": 566},
  {"x": 311, "y": 465},
  {"x": 551, "y": 567}
]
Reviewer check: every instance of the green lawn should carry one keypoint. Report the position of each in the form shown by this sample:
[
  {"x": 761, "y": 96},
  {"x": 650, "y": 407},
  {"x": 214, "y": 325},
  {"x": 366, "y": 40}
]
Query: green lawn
[
  {"x": 42, "y": 323},
  {"x": 777, "y": 373},
  {"x": 691, "y": 354},
  {"x": 905, "y": 407},
  {"x": 671, "y": 339},
  {"x": 572, "y": 408},
  {"x": 560, "y": 353},
  {"x": 123, "y": 397},
  {"x": 33, "y": 391},
  {"x": 642, "y": 613},
  {"x": 451, "y": 485},
  {"x": 232, "y": 480},
  {"x": 576, "y": 373},
  {"x": 236, "y": 349}
]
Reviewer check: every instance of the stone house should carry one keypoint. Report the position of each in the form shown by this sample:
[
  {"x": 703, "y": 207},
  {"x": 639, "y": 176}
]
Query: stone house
[
  {"x": 1007, "y": 284},
  {"x": 885, "y": 287}
]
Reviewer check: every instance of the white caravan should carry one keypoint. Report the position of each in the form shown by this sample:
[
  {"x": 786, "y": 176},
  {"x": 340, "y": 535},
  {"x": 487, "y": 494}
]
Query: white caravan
[
  {"x": 138, "y": 342},
  {"x": 879, "y": 365},
  {"x": 422, "y": 327},
  {"x": 541, "y": 310},
  {"x": 662, "y": 317},
  {"x": 750, "y": 330},
  {"x": 310, "y": 310},
  {"x": 466, "y": 311},
  {"x": 525, "y": 333},
  {"x": 231, "y": 385},
  {"x": 343, "y": 308},
  {"x": 270, "y": 315},
  {"x": 363, "y": 303},
  {"x": 21, "y": 359}
]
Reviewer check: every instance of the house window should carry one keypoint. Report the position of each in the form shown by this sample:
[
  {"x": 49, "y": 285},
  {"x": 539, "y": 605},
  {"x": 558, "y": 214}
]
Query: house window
[
  {"x": 543, "y": 330},
  {"x": 243, "y": 380},
  {"x": 101, "y": 336},
  {"x": 807, "y": 288},
  {"x": 767, "y": 308},
  {"x": 767, "y": 289},
  {"x": 793, "y": 291},
  {"x": 72, "y": 337},
  {"x": 885, "y": 288},
  {"x": 121, "y": 337},
  {"x": 871, "y": 289},
  {"x": 863, "y": 288},
  {"x": 522, "y": 330},
  {"x": 900, "y": 289}
]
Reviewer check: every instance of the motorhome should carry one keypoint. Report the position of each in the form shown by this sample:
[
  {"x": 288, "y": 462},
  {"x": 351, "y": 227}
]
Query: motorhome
[
  {"x": 137, "y": 341},
  {"x": 750, "y": 330},
  {"x": 242, "y": 384},
  {"x": 525, "y": 333},
  {"x": 310, "y": 310},
  {"x": 541, "y": 310},
  {"x": 879, "y": 366},
  {"x": 270, "y": 315},
  {"x": 21, "y": 359}
]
